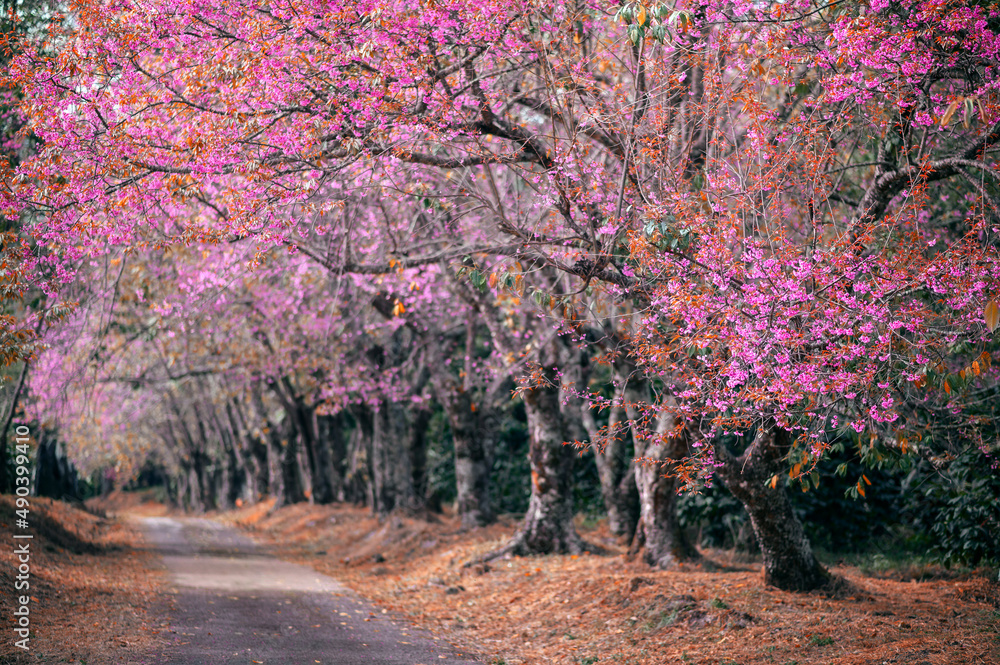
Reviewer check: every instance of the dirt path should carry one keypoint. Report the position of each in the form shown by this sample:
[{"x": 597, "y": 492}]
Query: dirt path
[{"x": 233, "y": 604}]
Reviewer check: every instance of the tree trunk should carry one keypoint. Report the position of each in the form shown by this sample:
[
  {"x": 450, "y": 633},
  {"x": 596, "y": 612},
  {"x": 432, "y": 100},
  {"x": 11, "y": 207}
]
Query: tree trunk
[
  {"x": 473, "y": 458},
  {"x": 183, "y": 491},
  {"x": 613, "y": 457},
  {"x": 391, "y": 467},
  {"x": 235, "y": 467},
  {"x": 621, "y": 498},
  {"x": 198, "y": 462},
  {"x": 254, "y": 452},
  {"x": 274, "y": 462},
  {"x": 330, "y": 433},
  {"x": 666, "y": 544},
  {"x": 217, "y": 485},
  {"x": 209, "y": 476},
  {"x": 547, "y": 527},
  {"x": 319, "y": 454},
  {"x": 291, "y": 471},
  {"x": 284, "y": 446},
  {"x": 420, "y": 418},
  {"x": 658, "y": 530},
  {"x": 283, "y": 443},
  {"x": 473, "y": 428},
  {"x": 54, "y": 473},
  {"x": 193, "y": 501},
  {"x": 7, "y": 482},
  {"x": 357, "y": 477},
  {"x": 789, "y": 562},
  {"x": 609, "y": 445},
  {"x": 173, "y": 490}
]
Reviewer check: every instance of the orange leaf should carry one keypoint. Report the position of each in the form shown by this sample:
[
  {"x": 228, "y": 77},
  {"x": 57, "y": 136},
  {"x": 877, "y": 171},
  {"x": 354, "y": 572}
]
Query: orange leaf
[
  {"x": 949, "y": 112},
  {"x": 992, "y": 315},
  {"x": 867, "y": 482},
  {"x": 861, "y": 488}
]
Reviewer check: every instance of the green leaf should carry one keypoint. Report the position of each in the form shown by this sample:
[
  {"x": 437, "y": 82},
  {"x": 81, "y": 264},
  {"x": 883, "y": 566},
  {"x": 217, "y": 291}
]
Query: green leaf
[{"x": 955, "y": 382}]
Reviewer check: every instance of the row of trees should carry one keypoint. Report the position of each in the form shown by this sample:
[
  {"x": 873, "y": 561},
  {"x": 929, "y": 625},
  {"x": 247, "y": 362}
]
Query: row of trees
[{"x": 719, "y": 237}]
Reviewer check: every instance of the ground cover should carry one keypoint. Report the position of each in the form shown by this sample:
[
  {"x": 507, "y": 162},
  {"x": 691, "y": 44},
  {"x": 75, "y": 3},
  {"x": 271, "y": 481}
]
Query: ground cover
[
  {"x": 603, "y": 608},
  {"x": 91, "y": 586}
]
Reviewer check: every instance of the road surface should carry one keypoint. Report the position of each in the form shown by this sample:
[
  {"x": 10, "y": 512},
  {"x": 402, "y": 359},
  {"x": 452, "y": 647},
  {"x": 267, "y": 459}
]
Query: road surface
[{"x": 233, "y": 605}]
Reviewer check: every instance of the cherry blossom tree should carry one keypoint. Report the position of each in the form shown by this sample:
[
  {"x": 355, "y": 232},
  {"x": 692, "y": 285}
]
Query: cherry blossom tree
[{"x": 796, "y": 198}]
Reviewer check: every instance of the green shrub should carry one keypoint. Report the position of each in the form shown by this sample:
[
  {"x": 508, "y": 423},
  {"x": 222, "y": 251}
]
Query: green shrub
[{"x": 957, "y": 510}]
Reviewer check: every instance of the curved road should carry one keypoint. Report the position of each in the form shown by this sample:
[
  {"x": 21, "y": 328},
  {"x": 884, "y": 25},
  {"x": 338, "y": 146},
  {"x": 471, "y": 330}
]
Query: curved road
[{"x": 234, "y": 605}]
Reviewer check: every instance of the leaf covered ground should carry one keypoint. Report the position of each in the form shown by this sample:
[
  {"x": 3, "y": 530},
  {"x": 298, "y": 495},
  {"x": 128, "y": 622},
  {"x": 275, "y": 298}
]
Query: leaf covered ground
[
  {"x": 605, "y": 609},
  {"x": 91, "y": 585}
]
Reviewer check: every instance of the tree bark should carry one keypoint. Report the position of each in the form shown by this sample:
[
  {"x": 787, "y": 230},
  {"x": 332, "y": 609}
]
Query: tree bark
[
  {"x": 419, "y": 419},
  {"x": 473, "y": 456},
  {"x": 357, "y": 477},
  {"x": 391, "y": 466},
  {"x": 235, "y": 468},
  {"x": 55, "y": 476},
  {"x": 195, "y": 458},
  {"x": 6, "y": 483},
  {"x": 547, "y": 527},
  {"x": 666, "y": 543},
  {"x": 658, "y": 530},
  {"x": 473, "y": 429},
  {"x": 317, "y": 453},
  {"x": 613, "y": 456},
  {"x": 286, "y": 441},
  {"x": 255, "y": 452},
  {"x": 330, "y": 433},
  {"x": 281, "y": 438},
  {"x": 789, "y": 562},
  {"x": 319, "y": 458},
  {"x": 609, "y": 445}
]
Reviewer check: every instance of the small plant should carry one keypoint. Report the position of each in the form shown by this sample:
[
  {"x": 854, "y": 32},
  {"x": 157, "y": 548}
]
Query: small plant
[
  {"x": 589, "y": 660},
  {"x": 668, "y": 618},
  {"x": 820, "y": 641},
  {"x": 718, "y": 604}
]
